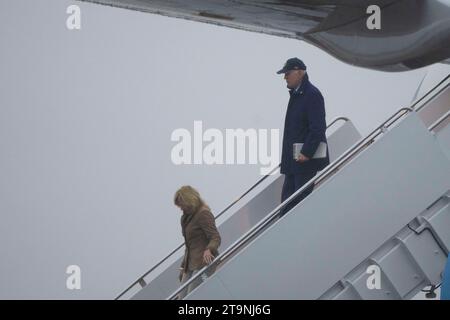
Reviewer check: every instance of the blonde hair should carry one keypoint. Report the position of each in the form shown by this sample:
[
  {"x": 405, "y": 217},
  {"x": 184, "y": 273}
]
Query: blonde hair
[{"x": 188, "y": 198}]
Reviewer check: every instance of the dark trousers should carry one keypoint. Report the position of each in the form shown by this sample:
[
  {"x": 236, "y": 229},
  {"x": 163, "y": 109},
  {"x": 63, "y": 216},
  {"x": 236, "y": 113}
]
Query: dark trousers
[{"x": 293, "y": 182}]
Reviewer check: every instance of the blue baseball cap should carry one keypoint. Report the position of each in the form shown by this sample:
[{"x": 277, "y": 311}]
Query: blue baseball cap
[{"x": 292, "y": 64}]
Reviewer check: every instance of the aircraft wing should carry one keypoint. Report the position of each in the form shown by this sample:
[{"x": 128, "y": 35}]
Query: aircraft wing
[{"x": 413, "y": 33}]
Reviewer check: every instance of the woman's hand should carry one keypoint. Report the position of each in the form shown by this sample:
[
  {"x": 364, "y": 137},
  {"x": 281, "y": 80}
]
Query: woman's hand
[
  {"x": 181, "y": 274},
  {"x": 207, "y": 256}
]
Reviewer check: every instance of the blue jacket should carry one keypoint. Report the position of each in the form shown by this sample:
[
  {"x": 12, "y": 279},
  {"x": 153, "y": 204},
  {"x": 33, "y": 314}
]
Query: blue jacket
[
  {"x": 305, "y": 123},
  {"x": 445, "y": 290}
]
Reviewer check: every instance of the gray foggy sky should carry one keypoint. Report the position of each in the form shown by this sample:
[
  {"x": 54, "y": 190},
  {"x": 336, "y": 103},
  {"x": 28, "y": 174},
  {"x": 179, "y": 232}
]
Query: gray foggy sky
[{"x": 85, "y": 123}]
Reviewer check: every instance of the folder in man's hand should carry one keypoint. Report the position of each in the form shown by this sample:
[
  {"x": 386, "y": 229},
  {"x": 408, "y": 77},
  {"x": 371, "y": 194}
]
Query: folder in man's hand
[{"x": 321, "y": 151}]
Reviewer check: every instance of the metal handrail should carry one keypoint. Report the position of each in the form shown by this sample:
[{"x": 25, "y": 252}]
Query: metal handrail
[
  {"x": 426, "y": 94},
  {"x": 439, "y": 121},
  {"x": 330, "y": 169},
  {"x": 141, "y": 280},
  {"x": 274, "y": 213},
  {"x": 345, "y": 119}
]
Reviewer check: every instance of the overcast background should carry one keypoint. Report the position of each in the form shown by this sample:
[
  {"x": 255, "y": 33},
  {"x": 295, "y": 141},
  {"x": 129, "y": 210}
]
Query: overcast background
[{"x": 85, "y": 123}]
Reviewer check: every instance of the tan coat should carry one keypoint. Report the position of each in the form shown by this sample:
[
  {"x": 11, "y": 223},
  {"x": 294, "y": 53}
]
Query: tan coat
[{"x": 200, "y": 233}]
